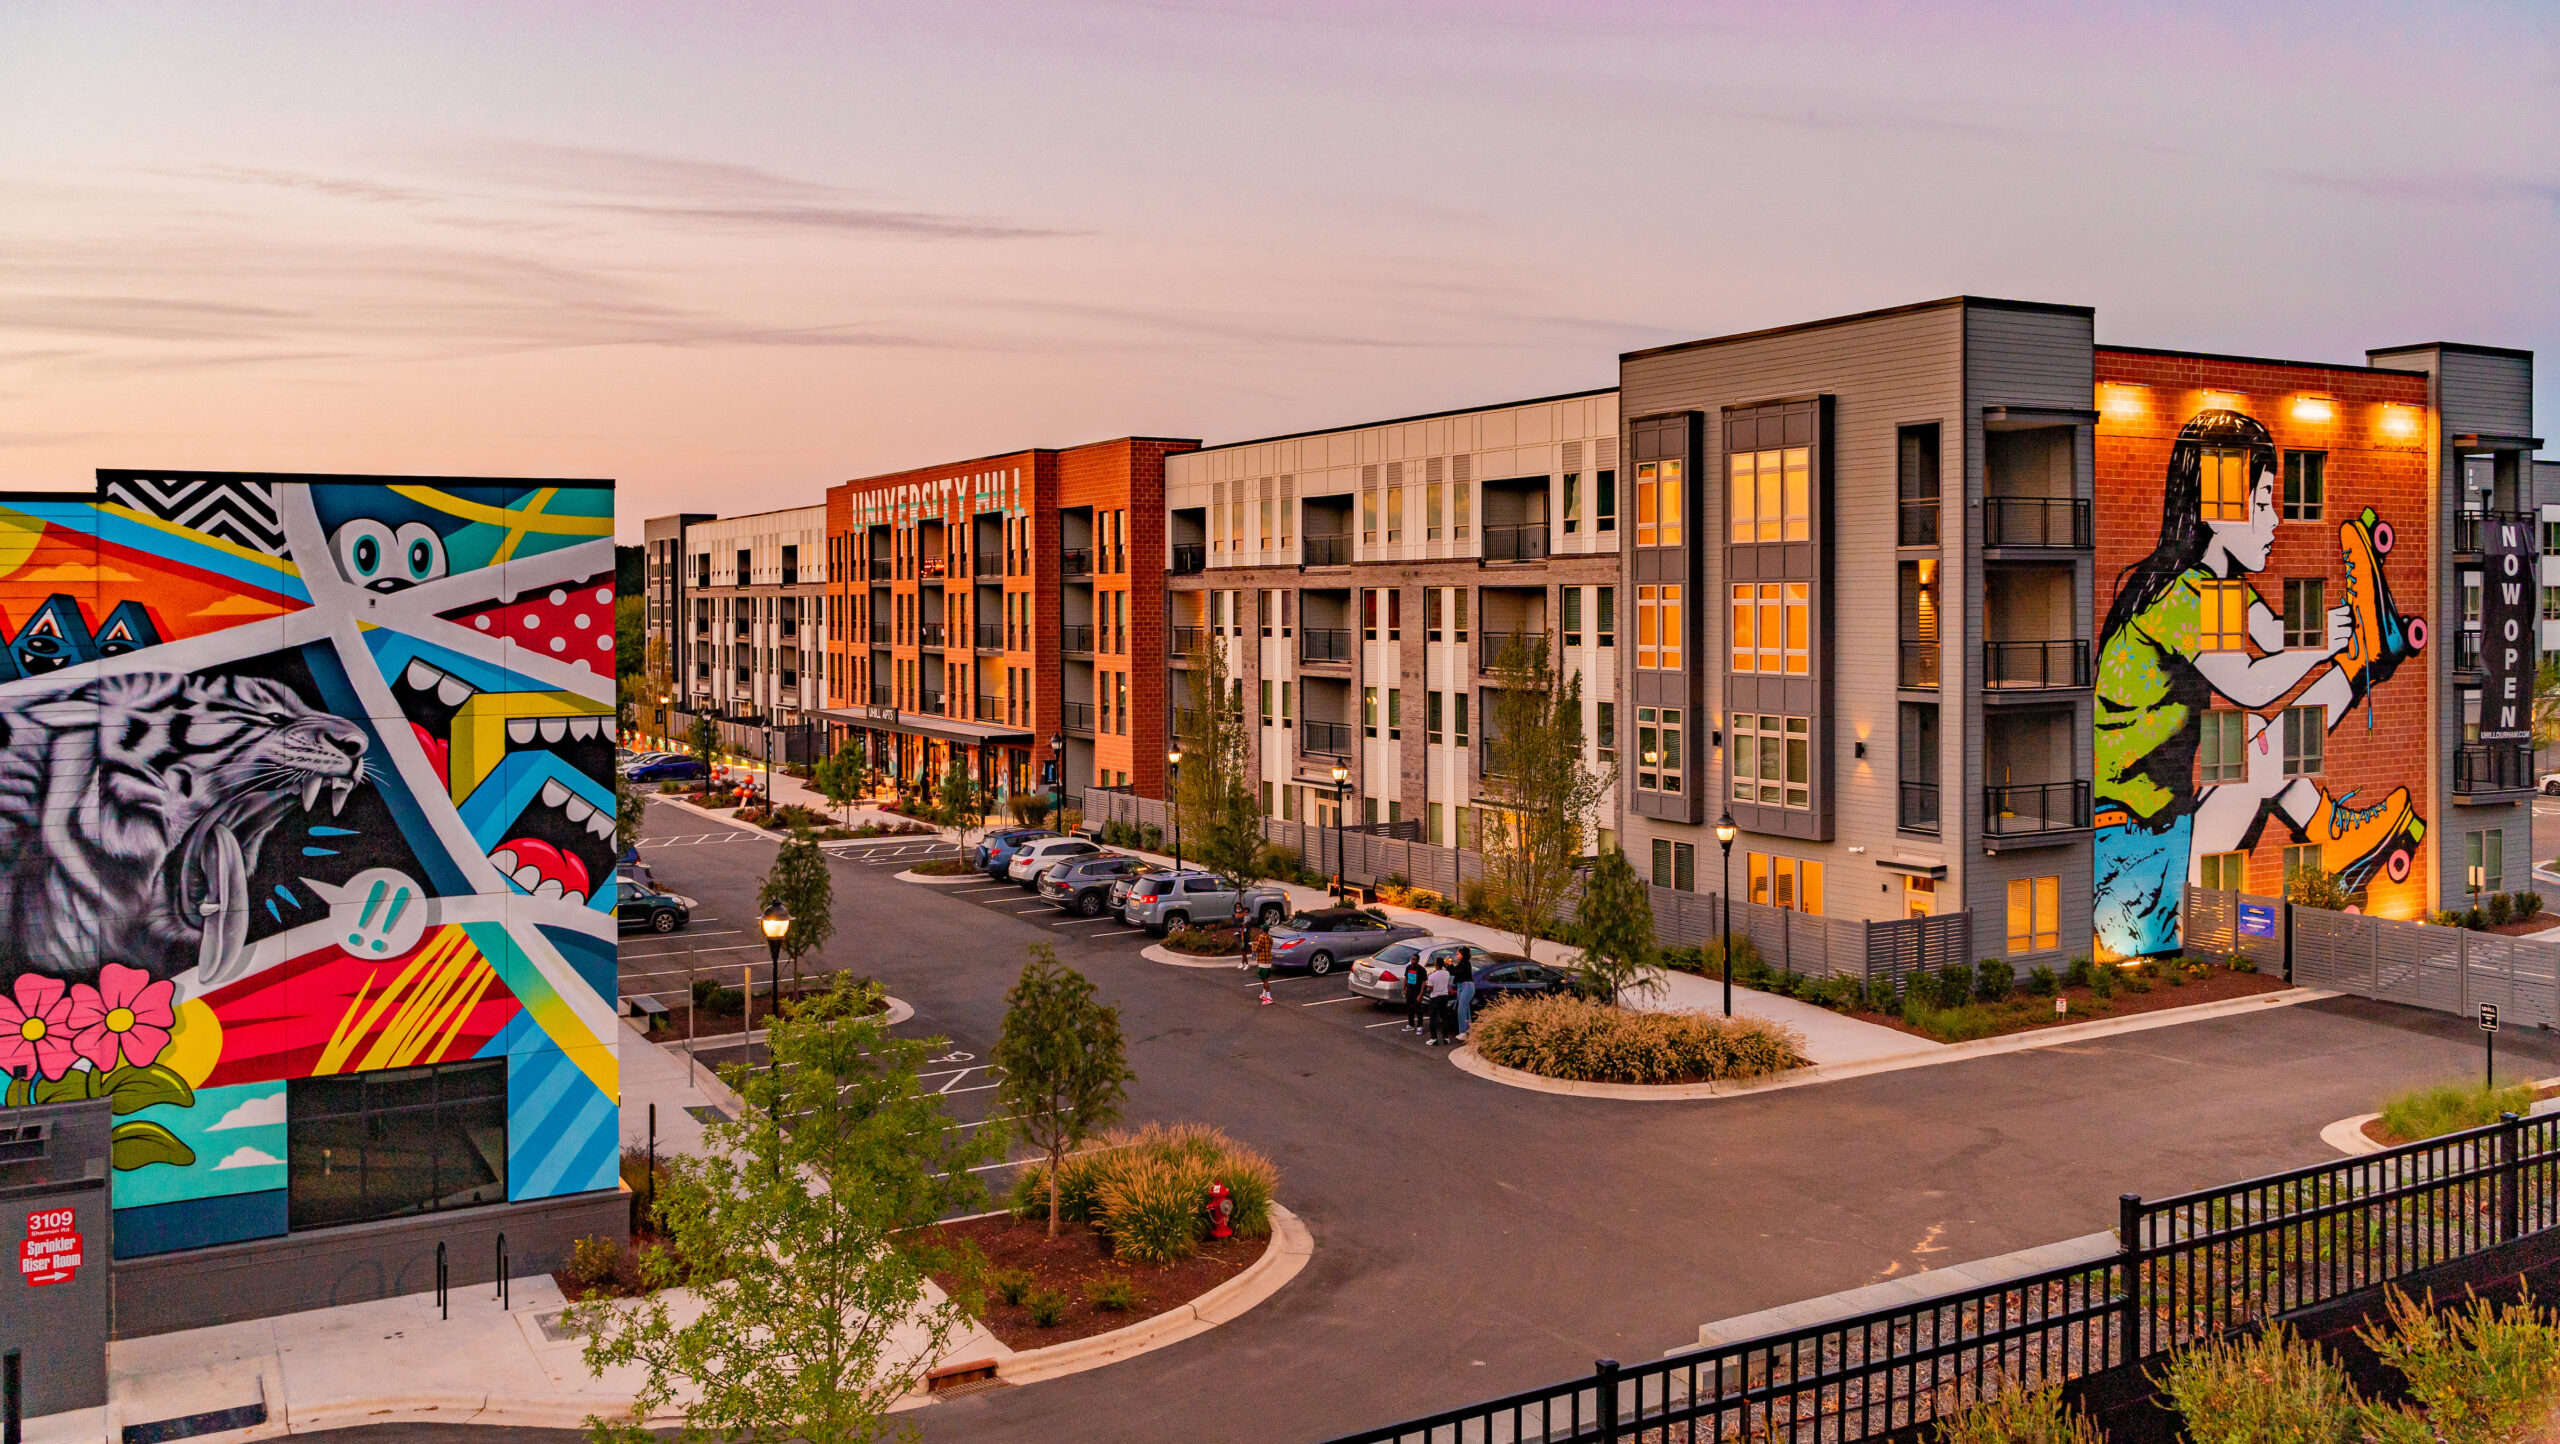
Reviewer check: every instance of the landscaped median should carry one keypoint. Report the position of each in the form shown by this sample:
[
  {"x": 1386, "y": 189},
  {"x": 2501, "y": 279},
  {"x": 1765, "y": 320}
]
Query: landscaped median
[
  {"x": 2418, "y": 1114},
  {"x": 1574, "y": 1040}
]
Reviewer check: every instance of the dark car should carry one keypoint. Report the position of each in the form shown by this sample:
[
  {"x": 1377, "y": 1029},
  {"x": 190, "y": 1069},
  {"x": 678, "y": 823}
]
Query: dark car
[
  {"x": 1321, "y": 940},
  {"x": 998, "y": 855},
  {"x": 1497, "y": 975},
  {"x": 1516, "y": 977},
  {"x": 1002, "y": 837},
  {"x": 648, "y": 909},
  {"x": 671, "y": 769},
  {"x": 1083, "y": 885}
]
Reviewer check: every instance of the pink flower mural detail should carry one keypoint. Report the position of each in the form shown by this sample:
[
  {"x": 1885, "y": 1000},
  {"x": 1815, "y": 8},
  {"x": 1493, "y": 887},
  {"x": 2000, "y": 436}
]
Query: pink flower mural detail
[
  {"x": 35, "y": 1028},
  {"x": 125, "y": 1015}
]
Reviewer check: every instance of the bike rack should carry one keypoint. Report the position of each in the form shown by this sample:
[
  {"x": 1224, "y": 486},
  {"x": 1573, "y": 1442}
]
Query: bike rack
[
  {"x": 443, "y": 1308},
  {"x": 504, "y": 1300}
]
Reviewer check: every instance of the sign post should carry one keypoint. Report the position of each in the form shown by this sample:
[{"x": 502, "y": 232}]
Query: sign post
[{"x": 2489, "y": 1041}]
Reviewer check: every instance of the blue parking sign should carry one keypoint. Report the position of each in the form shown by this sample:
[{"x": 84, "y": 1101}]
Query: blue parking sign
[{"x": 2257, "y": 920}]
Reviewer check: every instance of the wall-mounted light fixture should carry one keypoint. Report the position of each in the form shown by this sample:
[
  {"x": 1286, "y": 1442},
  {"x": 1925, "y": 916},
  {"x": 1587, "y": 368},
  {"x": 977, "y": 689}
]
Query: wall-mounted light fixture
[
  {"x": 2121, "y": 399},
  {"x": 2316, "y": 410},
  {"x": 2218, "y": 400},
  {"x": 2399, "y": 421},
  {"x": 1862, "y": 751}
]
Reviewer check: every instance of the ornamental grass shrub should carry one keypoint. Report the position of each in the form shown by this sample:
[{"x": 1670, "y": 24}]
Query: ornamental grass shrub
[
  {"x": 1148, "y": 1188},
  {"x": 2274, "y": 1388},
  {"x": 1587, "y": 1042},
  {"x": 2450, "y": 1108},
  {"x": 2017, "y": 1415},
  {"x": 2481, "y": 1375}
]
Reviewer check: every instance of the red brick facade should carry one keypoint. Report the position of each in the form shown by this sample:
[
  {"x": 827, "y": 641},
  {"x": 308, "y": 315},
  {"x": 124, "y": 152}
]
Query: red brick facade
[{"x": 2373, "y": 438}]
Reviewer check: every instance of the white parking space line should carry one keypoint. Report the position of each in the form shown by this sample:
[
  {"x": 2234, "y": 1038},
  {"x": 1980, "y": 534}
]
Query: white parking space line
[
  {"x": 1355, "y": 998},
  {"x": 1000, "y": 887},
  {"x": 1391, "y": 1022},
  {"x": 1079, "y": 922},
  {"x": 1123, "y": 933}
]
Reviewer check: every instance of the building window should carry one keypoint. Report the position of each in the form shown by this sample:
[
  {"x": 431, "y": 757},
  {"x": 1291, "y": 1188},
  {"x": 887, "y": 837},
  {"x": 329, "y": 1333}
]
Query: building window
[
  {"x": 2306, "y": 612},
  {"x": 1572, "y": 598},
  {"x": 1395, "y": 615},
  {"x": 1658, "y": 627},
  {"x": 2551, "y": 538},
  {"x": 2306, "y": 484},
  {"x": 2226, "y": 483},
  {"x": 2035, "y": 914},
  {"x": 1395, "y": 515},
  {"x": 1658, "y": 499},
  {"x": 1431, "y": 713},
  {"x": 1607, "y": 733},
  {"x": 1461, "y": 502},
  {"x": 1784, "y": 882},
  {"x": 1917, "y": 810},
  {"x": 1458, "y": 613},
  {"x": 2226, "y": 870},
  {"x": 1675, "y": 865},
  {"x": 397, "y": 1141},
  {"x": 1395, "y": 713},
  {"x": 1434, "y": 604},
  {"x": 2219, "y": 756},
  {"x": 2306, "y": 732},
  {"x": 2222, "y": 616},
  {"x": 1773, "y": 495},
  {"x": 1773, "y": 760},
  {"x": 1572, "y": 502},
  {"x": 1607, "y": 611},
  {"x": 1368, "y": 615},
  {"x": 1604, "y": 497},
  {"x": 1432, "y": 816},
  {"x": 1431, "y": 512},
  {"x": 1772, "y": 628},
  {"x": 2484, "y": 856},
  {"x": 1916, "y": 486},
  {"x": 2298, "y": 860},
  {"x": 1458, "y": 722},
  {"x": 1269, "y": 690},
  {"x": 1658, "y": 749},
  {"x": 1286, "y": 716},
  {"x": 1369, "y": 711}
]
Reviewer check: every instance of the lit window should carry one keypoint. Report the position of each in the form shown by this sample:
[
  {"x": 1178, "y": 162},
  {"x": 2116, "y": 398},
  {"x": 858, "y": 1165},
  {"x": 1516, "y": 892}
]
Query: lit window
[
  {"x": 1648, "y": 481},
  {"x": 1649, "y": 627},
  {"x": 1784, "y": 882},
  {"x": 1658, "y": 743},
  {"x": 2225, "y": 483},
  {"x": 2222, "y": 616},
  {"x": 2035, "y": 914},
  {"x": 1773, "y": 760}
]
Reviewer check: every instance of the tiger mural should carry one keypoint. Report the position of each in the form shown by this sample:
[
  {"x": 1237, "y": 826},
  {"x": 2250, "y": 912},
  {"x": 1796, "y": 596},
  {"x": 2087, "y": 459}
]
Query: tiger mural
[{"x": 133, "y": 808}]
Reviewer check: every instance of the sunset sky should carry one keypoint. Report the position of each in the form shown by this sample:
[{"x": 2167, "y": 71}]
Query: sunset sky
[{"x": 728, "y": 254}]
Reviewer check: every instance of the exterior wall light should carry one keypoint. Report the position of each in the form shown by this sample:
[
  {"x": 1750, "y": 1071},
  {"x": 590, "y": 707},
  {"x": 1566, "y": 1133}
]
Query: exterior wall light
[
  {"x": 2122, "y": 399},
  {"x": 2317, "y": 410},
  {"x": 2399, "y": 421}
]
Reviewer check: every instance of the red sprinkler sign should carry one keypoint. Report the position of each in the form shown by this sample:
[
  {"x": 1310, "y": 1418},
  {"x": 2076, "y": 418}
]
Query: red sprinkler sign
[{"x": 51, "y": 1253}]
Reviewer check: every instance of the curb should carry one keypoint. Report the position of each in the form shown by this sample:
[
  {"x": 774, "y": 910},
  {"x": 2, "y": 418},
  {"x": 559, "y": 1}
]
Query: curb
[
  {"x": 964, "y": 880},
  {"x": 2347, "y": 1135},
  {"x": 1159, "y": 953},
  {"x": 1466, "y": 1059},
  {"x": 1290, "y": 1248}
]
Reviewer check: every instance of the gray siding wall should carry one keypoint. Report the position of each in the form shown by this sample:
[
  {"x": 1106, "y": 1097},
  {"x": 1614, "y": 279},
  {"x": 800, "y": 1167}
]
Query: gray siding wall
[{"x": 1883, "y": 373}]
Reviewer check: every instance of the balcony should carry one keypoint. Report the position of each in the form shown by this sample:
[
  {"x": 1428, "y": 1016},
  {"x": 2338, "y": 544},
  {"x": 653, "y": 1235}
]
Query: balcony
[
  {"x": 987, "y": 566},
  {"x": 1490, "y": 761},
  {"x": 1186, "y": 640},
  {"x": 990, "y": 707},
  {"x": 2473, "y": 529},
  {"x": 2031, "y": 809},
  {"x": 880, "y": 697},
  {"x": 791, "y": 576},
  {"x": 1189, "y": 558},
  {"x": 2034, "y": 666},
  {"x": 932, "y": 569},
  {"x": 929, "y": 634},
  {"x": 1324, "y": 644},
  {"x": 1325, "y": 739},
  {"x": 1917, "y": 524},
  {"x": 991, "y": 636},
  {"x": 1325, "y": 551},
  {"x": 1076, "y": 562},
  {"x": 1523, "y": 542},
  {"x": 1920, "y": 666},
  {"x": 2466, "y": 652},
  {"x": 1078, "y": 717},
  {"x": 2487, "y": 769},
  {"x": 1919, "y": 811},
  {"x": 930, "y": 702},
  {"x": 2044, "y": 523},
  {"x": 1491, "y": 646},
  {"x": 1077, "y": 638},
  {"x": 879, "y": 635}
]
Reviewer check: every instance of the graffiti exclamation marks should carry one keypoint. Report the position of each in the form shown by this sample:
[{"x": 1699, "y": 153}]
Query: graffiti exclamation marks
[
  {"x": 365, "y": 919},
  {"x": 399, "y": 905}
]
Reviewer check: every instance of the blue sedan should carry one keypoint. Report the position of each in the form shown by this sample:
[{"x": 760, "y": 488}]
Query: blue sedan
[{"x": 673, "y": 769}]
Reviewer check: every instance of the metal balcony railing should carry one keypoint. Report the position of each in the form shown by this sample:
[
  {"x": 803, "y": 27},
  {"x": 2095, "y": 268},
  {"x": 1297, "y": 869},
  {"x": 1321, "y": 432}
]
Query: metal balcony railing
[
  {"x": 1919, "y": 807},
  {"x": 1186, "y": 640},
  {"x": 1325, "y": 551},
  {"x": 2480, "y": 768},
  {"x": 1917, "y": 526},
  {"x": 1920, "y": 665},
  {"x": 1325, "y": 739},
  {"x": 880, "y": 697},
  {"x": 932, "y": 569},
  {"x": 931, "y": 702},
  {"x": 879, "y": 636},
  {"x": 991, "y": 636},
  {"x": 987, "y": 566},
  {"x": 1076, "y": 561},
  {"x": 1189, "y": 557},
  {"x": 2473, "y": 529},
  {"x": 1490, "y": 761},
  {"x": 990, "y": 707},
  {"x": 1077, "y": 637},
  {"x": 1078, "y": 717},
  {"x": 2024, "y": 809},
  {"x": 1184, "y": 720},
  {"x": 1324, "y": 644},
  {"x": 2052, "y": 522},
  {"x": 2466, "y": 651},
  {"x": 1524, "y": 542},
  {"x": 2035, "y": 666},
  {"x": 791, "y": 576},
  {"x": 928, "y": 634},
  {"x": 1491, "y": 645}
]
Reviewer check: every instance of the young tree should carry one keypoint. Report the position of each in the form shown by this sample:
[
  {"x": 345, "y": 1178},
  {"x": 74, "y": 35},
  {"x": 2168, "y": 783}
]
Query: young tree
[
  {"x": 799, "y": 880},
  {"x": 838, "y": 778},
  {"x": 1539, "y": 793},
  {"x": 801, "y": 1230},
  {"x": 704, "y": 743},
  {"x": 1215, "y": 800},
  {"x": 1614, "y": 929},
  {"x": 959, "y": 805},
  {"x": 1061, "y": 1060}
]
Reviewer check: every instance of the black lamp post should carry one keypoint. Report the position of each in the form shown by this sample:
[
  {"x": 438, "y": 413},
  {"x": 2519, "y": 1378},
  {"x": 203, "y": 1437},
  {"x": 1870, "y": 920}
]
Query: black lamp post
[
  {"x": 1724, "y": 838},
  {"x": 776, "y": 923},
  {"x": 1173, "y": 762},
  {"x": 1341, "y": 784}
]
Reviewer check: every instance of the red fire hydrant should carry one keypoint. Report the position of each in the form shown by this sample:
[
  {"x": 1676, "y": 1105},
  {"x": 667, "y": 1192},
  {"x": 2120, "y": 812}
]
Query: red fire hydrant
[{"x": 1222, "y": 1207}]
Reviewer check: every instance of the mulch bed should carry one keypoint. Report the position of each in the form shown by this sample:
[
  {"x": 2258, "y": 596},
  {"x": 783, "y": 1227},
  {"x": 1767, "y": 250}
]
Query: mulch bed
[
  {"x": 2522, "y": 926},
  {"x": 2026, "y": 1012},
  {"x": 1077, "y": 1254}
]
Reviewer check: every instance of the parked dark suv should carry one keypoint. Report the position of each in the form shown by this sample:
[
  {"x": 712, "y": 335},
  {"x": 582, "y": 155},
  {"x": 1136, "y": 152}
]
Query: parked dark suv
[{"x": 1083, "y": 885}]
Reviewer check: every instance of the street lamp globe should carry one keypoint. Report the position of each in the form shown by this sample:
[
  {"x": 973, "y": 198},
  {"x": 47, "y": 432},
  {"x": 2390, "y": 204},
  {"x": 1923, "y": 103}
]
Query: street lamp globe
[
  {"x": 776, "y": 923},
  {"x": 1341, "y": 775},
  {"x": 1725, "y": 830},
  {"x": 1174, "y": 756}
]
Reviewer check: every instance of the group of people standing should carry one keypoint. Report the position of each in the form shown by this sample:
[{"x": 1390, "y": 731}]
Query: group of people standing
[{"x": 1439, "y": 1001}]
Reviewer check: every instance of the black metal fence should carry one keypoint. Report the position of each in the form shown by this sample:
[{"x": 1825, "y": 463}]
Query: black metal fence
[{"x": 2188, "y": 1268}]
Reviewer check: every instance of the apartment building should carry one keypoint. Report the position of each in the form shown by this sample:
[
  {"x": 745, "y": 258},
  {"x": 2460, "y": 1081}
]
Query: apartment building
[
  {"x": 1007, "y": 610},
  {"x": 1363, "y": 582},
  {"x": 2265, "y": 530},
  {"x": 663, "y": 573},
  {"x": 1791, "y": 490},
  {"x": 749, "y": 626}
]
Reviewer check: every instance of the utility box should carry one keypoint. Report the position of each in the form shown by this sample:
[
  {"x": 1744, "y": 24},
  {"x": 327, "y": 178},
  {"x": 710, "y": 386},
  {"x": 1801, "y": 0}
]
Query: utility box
[{"x": 53, "y": 1231}]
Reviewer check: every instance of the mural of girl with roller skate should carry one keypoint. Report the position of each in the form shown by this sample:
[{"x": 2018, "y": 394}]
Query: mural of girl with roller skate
[{"x": 2187, "y": 629}]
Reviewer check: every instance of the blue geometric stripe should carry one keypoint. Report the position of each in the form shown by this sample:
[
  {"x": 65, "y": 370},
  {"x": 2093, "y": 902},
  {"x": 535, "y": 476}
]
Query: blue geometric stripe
[{"x": 559, "y": 1134}]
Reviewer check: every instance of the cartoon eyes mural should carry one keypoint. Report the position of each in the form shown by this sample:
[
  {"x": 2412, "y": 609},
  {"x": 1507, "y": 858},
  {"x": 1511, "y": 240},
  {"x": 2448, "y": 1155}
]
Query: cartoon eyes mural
[{"x": 374, "y": 556}]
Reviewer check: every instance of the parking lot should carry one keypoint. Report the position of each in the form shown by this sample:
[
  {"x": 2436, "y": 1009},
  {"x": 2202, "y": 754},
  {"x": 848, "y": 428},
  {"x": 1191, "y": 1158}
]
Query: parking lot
[{"x": 1473, "y": 1238}]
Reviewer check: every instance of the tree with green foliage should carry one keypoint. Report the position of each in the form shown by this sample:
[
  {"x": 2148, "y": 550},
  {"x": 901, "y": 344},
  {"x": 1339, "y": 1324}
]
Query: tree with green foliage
[
  {"x": 801, "y": 1231},
  {"x": 838, "y": 777},
  {"x": 704, "y": 744},
  {"x": 1539, "y": 795},
  {"x": 1061, "y": 1061},
  {"x": 1614, "y": 929},
  {"x": 631, "y": 639},
  {"x": 1216, "y": 800},
  {"x": 799, "y": 880},
  {"x": 628, "y": 806},
  {"x": 959, "y": 805},
  {"x": 2309, "y": 886}
]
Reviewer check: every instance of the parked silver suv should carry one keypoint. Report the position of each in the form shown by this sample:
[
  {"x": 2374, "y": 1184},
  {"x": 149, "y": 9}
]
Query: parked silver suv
[{"x": 1163, "y": 901}]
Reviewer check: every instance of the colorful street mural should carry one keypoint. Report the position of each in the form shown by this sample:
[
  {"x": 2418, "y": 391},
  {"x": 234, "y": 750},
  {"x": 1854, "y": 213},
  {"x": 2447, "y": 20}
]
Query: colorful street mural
[
  {"x": 2188, "y": 630},
  {"x": 306, "y": 777}
]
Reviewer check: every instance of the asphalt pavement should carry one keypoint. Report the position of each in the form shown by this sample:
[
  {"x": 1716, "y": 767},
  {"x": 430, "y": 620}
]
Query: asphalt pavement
[{"x": 1473, "y": 1239}]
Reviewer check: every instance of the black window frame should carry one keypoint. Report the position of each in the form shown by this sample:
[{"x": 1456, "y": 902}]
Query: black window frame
[{"x": 475, "y": 1085}]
